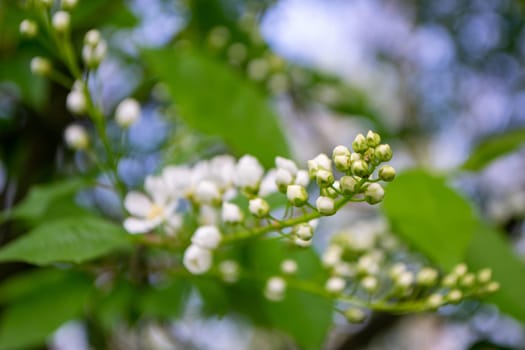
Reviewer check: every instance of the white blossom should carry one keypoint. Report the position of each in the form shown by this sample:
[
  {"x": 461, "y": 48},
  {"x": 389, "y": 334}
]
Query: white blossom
[
  {"x": 231, "y": 213},
  {"x": 268, "y": 183},
  {"x": 249, "y": 173},
  {"x": 286, "y": 164},
  {"x": 335, "y": 285},
  {"x": 302, "y": 178},
  {"x": 76, "y": 137},
  {"x": 289, "y": 266},
  {"x": 28, "y": 28},
  {"x": 197, "y": 259},
  {"x": 207, "y": 237},
  {"x": 283, "y": 178},
  {"x": 207, "y": 192},
  {"x": 275, "y": 289},
  {"x": 178, "y": 180},
  {"x": 40, "y": 66},
  {"x": 127, "y": 112},
  {"x": 259, "y": 207},
  {"x": 76, "y": 102},
  {"x": 374, "y": 193},
  {"x": 296, "y": 195},
  {"x": 61, "y": 21},
  {"x": 325, "y": 205},
  {"x": 229, "y": 270}
]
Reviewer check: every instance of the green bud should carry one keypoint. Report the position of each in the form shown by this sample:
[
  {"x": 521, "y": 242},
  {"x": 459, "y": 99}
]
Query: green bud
[
  {"x": 468, "y": 280},
  {"x": 360, "y": 168},
  {"x": 297, "y": 195},
  {"x": 387, "y": 173},
  {"x": 360, "y": 144},
  {"x": 454, "y": 295},
  {"x": 354, "y": 315},
  {"x": 325, "y": 205},
  {"x": 427, "y": 276},
  {"x": 348, "y": 184},
  {"x": 325, "y": 178},
  {"x": 485, "y": 275},
  {"x": 383, "y": 153},
  {"x": 373, "y": 139}
]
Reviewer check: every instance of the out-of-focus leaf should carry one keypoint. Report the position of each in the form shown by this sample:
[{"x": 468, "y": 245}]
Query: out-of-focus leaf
[
  {"x": 305, "y": 317},
  {"x": 490, "y": 249},
  {"x": 493, "y": 148},
  {"x": 431, "y": 216},
  {"x": 19, "y": 286},
  {"x": 94, "y": 13},
  {"x": 115, "y": 306},
  {"x": 75, "y": 239},
  {"x": 214, "y": 296},
  {"x": 165, "y": 301},
  {"x": 29, "y": 321},
  {"x": 41, "y": 197},
  {"x": 212, "y": 98}
]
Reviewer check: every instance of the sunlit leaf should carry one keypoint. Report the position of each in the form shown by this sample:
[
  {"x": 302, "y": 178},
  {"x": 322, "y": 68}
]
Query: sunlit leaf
[
  {"x": 74, "y": 239},
  {"x": 213, "y": 99},
  {"x": 431, "y": 216},
  {"x": 493, "y": 148}
]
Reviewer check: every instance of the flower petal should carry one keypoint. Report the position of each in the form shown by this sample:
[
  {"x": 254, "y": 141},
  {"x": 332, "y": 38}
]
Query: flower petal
[
  {"x": 134, "y": 225},
  {"x": 137, "y": 204}
]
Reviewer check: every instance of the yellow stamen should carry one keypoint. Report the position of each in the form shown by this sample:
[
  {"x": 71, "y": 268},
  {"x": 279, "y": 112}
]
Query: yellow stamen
[{"x": 155, "y": 212}]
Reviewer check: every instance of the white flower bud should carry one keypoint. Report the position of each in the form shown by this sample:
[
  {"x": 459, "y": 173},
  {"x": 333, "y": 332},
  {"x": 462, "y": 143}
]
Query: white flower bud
[
  {"x": 427, "y": 276},
  {"x": 321, "y": 161},
  {"x": 61, "y": 21},
  {"x": 92, "y": 37},
  {"x": 324, "y": 178},
  {"x": 69, "y": 4},
  {"x": 302, "y": 243},
  {"x": 373, "y": 139},
  {"x": 367, "y": 264},
  {"x": 332, "y": 256},
  {"x": 286, "y": 164},
  {"x": 259, "y": 207},
  {"x": 396, "y": 270},
  {"x": 207, "y": 192},
  {"x": 449, "y": 280},
  {"x": 249, "y": 173},
  {"x": 325, "y": 205},
  {"x": 383, "y": 153},
  {"x": 76, "y": 102},
  {"x": 341, "y": 151},
  {"x": 435, "y": 300},
  {"x": 360, "y": 144},
  {"x": 127, "y": 112},
  {"x": 360, "y": 168},
  {"x": 342, "y": 162},
  {"x": 275, "y": 289},
  {"x": 229, "y": 270},
  {"x": 302, "y": 178},
  {"x": 231, "y": 213},
  {"x": 335, "y": 285},
  {"x": 468, "y": 280},
  {"x": 369, "y": 283},
  {"x": 258, "y": 69},
  {"x": 485, "y": 275},
  {"x": 355, "y": 156},
  {"x": 460, "y": 269},
  {"x": 40, "y": 66},
  {"x": 387, "y": 173},
  {"x": 28, "y": 28},
  {"x": 374, "y": 193},
  {"x": 296, "y": 195},
  {"x": 197, "y": 259},
  {"x": 283, "y": 178},
  {"x": 492, "y": 287},
  {"x": 348, "y": 185},
  {"x": 405, "y": 279},
  {"x": 207, "y": 237},
  {"x": 76, "y": 137},
  {"x": 454, "y": 295},
  {"x": 289, "y": 267},
  {"x": 93, "y": 55},
  {"x": 304, "y": 231},
  {"x": 354, "y": 315}
]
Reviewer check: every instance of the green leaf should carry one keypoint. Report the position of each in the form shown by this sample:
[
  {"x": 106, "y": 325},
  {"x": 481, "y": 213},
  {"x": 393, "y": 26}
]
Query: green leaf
[
  {"x": 489, "y": 248},
  {"x": 493, "y": 148},
  {"x": 431, "y": 216},
  {"x": 305, "y": 317},
  {"x": 41, "y": 197},
  {"x": 29, "y": 321},
  {"x": 165, "y": 302},
  {"x": 213, "y": 99},
  {"x": 20, "y": 285},
  {"x": 75, "y": 239},
  {"x": 96, "y": 13}
]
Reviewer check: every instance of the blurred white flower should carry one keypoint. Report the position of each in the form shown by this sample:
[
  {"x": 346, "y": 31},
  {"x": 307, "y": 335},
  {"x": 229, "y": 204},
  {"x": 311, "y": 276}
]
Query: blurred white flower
[
  {"x": 231, "y": 213},
  {"x": 207, "y": 237},
  {"x": 76, "y": 137},
  {"x": 249, "y": 173},
  {"x": 127, "y": 112},
  {"x": 197, "y": 259}
]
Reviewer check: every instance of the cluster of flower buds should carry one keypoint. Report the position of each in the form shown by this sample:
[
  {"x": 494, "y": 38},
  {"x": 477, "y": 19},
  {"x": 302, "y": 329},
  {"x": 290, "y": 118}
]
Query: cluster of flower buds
[
  {"x": 374, "y": 277},
  {"x": 94, "y": 49},
  {"x": 275, "y": 287},
  {"x": 213, "y": 189}
]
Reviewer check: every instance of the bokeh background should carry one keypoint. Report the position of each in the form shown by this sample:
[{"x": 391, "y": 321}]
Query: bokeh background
[{"x": 441, "y": 80}]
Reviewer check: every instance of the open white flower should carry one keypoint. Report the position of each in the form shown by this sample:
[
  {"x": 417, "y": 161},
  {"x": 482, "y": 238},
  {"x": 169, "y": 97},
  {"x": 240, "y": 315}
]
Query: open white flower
[{"x": 149, "y": 211}]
